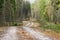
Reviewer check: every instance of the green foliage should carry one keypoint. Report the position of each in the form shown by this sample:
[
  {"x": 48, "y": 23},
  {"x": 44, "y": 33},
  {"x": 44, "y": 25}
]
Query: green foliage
[
  {"x": 13, "y": 4},
  {"x": 51, "y": 26},
  {"x": 42, "y": 7},
  {"x": 15, "y": 24},
  {"x": 1, "y": 3},
  {"x": 49, "y": 14}
]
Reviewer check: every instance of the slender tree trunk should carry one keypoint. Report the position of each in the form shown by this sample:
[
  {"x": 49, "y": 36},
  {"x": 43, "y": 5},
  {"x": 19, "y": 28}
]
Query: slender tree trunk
[
  {"x": 4, "y": 11},
  {"x": 54, "y": 11}
]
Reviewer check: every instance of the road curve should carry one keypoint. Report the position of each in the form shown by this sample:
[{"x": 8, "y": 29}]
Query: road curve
[
  {"x": 37, "y": 35},
  {"x": 10, "y": 33}
]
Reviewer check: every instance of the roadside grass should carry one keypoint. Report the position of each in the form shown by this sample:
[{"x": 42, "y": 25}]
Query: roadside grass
[
  {"x": 49, "y": 26},
  {"x": 53, "y": 27},
  {"x": 12, "y": 24}
]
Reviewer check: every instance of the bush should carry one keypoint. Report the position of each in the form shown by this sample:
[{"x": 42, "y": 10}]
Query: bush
[
  {"x": 51, "y": 26},
  {"x": 15, "y": 24}
]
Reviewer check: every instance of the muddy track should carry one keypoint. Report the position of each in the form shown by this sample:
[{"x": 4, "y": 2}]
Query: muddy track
[{"x": 22, "y": 33}]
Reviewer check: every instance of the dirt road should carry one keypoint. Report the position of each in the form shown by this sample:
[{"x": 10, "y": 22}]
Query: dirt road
[{"x": 22, "y": 33}]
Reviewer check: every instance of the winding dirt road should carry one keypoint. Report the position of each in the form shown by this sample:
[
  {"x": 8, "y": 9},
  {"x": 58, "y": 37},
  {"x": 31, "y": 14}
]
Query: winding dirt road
[{"x": 22, "y": 33}]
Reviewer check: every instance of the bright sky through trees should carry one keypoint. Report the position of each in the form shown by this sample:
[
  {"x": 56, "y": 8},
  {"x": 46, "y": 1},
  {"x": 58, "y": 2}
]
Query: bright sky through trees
[{"x": 31, "y": 1}]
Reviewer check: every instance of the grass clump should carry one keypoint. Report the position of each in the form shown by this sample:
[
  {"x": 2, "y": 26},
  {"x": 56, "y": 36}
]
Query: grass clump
[{"x": 52, "y": 26}]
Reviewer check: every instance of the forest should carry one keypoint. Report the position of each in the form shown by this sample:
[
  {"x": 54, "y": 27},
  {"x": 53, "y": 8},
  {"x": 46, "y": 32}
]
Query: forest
[
  {"x": 29, "y": 19},
  {"x": 47, "y": 13},
  {"x": 13, "y": 11}
]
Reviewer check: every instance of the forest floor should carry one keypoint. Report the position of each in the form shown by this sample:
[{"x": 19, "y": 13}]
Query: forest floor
[{"x": 27, "y": 32}]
